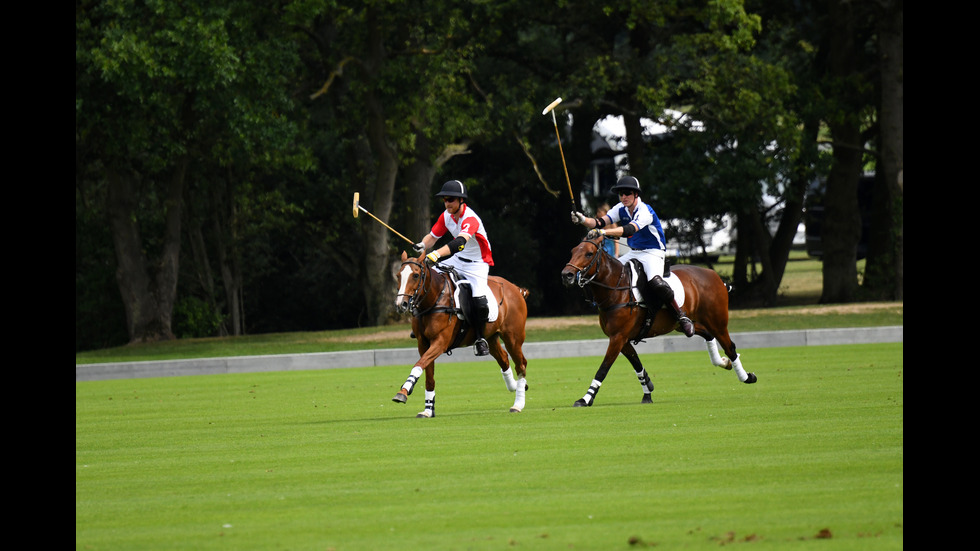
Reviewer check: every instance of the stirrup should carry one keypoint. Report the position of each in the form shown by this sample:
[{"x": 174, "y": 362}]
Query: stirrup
[{"x": 482, "y": 349}]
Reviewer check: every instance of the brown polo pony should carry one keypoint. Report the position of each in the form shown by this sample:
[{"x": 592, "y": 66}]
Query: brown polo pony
[
  {"x": 438, "y": 328},
  {"x": 622, "y": 317}
]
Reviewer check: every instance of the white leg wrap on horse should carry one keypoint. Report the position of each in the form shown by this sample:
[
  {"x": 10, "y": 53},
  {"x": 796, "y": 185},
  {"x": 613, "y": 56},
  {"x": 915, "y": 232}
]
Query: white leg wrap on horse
[
  {"x": 519, "y": 395},
  {"x": 737, "y": 366},
  {"x": 430, "y": 404},
  {"x": 412, "y": 378},
  {"x": 642, "y": 376},
  {"x": 713, "y": 353},
  {"x": 593, "y": 388},
  {"x": 509, "y": 379}
]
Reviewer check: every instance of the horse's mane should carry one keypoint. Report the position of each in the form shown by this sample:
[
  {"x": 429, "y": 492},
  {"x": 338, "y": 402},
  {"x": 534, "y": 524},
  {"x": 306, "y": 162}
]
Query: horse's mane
[{"x": 612, "y": 263}]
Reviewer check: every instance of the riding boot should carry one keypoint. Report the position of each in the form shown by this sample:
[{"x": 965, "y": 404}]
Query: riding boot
[
  {"x": 481, "y": 311},
  {"x": 685, "y": 322},
  {"x": 663, "y": 290}
]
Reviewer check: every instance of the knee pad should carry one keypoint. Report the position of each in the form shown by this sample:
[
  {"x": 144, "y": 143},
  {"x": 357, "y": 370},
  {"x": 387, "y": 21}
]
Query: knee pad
[
  {"x": 466, "y": 300},
  {"x": 481, "y": 307},
  {"x": 662, "y": 288}
]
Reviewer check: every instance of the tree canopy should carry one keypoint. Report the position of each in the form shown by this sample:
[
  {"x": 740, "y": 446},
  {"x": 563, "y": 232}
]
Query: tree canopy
[{"x": 219, "y": 145}]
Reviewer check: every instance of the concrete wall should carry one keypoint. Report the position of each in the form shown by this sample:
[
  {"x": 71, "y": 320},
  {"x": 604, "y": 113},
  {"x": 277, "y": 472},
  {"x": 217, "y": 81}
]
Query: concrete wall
[{"x": 407, "y": 356}]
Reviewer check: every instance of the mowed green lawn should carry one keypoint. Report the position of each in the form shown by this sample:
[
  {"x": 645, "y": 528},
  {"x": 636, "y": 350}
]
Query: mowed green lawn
[{"x": 810, "y": 457}]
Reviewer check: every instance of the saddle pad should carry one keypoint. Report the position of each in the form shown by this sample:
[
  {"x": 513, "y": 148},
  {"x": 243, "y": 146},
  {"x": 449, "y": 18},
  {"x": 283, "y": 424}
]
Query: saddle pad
[
  {"x": 491, "y": 302},
  {"x": 672, "y": 280}
]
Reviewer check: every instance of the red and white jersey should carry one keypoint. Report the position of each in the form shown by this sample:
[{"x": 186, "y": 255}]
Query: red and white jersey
[{"x": 477, "y": 248}]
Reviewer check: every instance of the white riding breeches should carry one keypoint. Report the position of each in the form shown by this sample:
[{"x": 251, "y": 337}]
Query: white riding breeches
[
  {"x": 475, "y": 273},
  {"x": 652, "y": 260}
]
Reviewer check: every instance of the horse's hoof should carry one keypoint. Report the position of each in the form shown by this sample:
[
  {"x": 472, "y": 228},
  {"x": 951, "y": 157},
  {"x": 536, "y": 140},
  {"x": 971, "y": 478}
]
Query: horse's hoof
[
  {"x": 580, "y": 403},
  {"x": 401, "y": 397},
  {"x": 751, "y": 379},
  {"x": 647, "y": 399},
  {"x": 726, "y": 364},
  {"x": 515, "y": 410},
  {"x": 427, "y": 414}
]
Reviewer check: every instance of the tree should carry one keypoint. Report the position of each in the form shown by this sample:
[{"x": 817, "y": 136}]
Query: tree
[
  {"x": 394, "y": 84},
  {"x": 884, "y": 270},
  {"x": 846, "y": 60},
  {"x": 159, "y": 87}
]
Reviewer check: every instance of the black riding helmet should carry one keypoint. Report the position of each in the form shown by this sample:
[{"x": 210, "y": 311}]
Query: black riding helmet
[
  {"x": 627, "y": 183},
  {"x": 453, "y": 188}
]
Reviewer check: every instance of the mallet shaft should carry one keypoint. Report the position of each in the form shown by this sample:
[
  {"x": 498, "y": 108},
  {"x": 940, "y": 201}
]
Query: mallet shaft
[
  {"x": 410, "y": 242},
  {"x": 560, "y": 150},
  {"x": 357, "y": 206}
]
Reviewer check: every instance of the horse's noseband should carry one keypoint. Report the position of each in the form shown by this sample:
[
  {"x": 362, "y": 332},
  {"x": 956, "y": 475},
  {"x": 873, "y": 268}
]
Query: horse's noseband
[
  {"x": 580, "y": 279},
  {"x": 420, "y": 288}
]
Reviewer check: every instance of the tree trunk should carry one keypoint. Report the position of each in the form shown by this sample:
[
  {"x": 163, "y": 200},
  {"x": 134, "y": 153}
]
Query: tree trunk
[
  {"x": 379, "y": 291},
  {"x": 148, "y": 286},
  {"x": 885, "y": 266},
  {"x": 762, "y": 289},
  {"x": 202, "y": 265},
  {"x": 227, "y": 246},
  {"x": 419, "y": 177},
  {"x": 782, "y": 241},
  {"x": 636, "y": 146},
  {"x": 842, "y": 218}
]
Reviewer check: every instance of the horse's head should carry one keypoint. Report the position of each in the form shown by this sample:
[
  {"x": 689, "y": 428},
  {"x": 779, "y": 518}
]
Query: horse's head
[
  {"x": 583, "y": 267},
  {"x": 411, "y": 278}
]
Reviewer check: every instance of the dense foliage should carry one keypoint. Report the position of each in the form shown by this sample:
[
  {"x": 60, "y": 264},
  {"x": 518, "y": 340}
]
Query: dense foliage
[{"x": 219, "y": 145}]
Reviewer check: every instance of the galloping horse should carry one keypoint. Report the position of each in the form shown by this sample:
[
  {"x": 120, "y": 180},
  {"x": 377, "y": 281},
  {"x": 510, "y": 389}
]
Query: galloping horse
[
  {"x": 622, "y": 317},
  {"x": 438, "y": 328}
]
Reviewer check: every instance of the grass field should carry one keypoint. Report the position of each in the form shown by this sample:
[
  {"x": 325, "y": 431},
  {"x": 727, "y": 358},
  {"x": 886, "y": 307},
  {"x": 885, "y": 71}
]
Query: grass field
[{"x": 810, "y": 457}]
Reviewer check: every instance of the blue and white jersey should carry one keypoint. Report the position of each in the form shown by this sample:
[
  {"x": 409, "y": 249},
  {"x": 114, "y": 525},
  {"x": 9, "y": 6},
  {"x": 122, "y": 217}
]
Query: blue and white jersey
[{"x": 650, "y": 234}]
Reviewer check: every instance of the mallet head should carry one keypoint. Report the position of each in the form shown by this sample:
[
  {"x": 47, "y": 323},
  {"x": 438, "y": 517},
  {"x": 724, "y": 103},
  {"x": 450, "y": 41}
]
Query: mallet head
[
  {"x": 551, "y": 106},
  {"x": 356, "y": 197}
]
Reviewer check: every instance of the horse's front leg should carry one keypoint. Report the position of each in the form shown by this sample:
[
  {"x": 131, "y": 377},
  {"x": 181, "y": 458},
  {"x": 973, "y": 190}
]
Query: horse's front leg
[
  {"x": 406, "y": 390},
  {"x": 612, "y": 351},
  {"x": 430, "y": 391},
  {"x": 641, "y": 373},
  {"x": 426, "y": 364}
]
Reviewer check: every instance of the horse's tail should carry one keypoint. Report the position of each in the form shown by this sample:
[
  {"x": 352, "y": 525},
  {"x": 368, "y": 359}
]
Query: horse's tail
[
  {"x": 524, "y": 292},
  {"x": 729, "y": 286}
]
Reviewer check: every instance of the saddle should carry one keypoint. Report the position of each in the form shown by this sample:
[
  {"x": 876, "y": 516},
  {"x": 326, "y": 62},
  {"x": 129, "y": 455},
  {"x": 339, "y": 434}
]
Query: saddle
[
  {"x": 463, "y": 299},
  {"x": 648, "y": 296}
]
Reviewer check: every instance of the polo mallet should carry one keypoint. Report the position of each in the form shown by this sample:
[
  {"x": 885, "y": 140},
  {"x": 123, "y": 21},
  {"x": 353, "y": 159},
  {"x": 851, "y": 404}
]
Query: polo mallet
[
  {"x": 357, "y": 206},
  {"x": 551, "y": 108}
]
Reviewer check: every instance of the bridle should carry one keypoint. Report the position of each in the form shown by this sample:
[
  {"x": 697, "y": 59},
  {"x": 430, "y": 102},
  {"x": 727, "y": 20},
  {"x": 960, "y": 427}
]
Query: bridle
[
  {"x": 582, "y": 279},
  {"x": 422, "y": 291},
  {"x": 421, "y": 287}
]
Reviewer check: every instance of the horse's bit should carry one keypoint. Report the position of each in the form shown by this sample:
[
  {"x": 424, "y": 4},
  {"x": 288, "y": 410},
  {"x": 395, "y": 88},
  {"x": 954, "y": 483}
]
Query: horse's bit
[
  {"x": 579, "y": 279},
  {"x": 583, "y": 281},
  {"x": 421, "y": 290},
  {"x": 421, "y": 287}
]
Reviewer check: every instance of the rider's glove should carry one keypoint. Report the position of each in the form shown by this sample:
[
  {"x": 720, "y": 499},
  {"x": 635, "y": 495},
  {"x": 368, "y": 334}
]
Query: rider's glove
[
  {"x": 579, "y": 218},
  {"x": 595, "y": 234},
  {"x": 419, "y": 247},
  {"x": 432, "y": 257}
]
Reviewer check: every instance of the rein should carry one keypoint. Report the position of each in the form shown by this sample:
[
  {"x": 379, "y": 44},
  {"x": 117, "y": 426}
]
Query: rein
[
  {"x": 583, "y": 280},
  {"x": 415, "y": 301}
]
